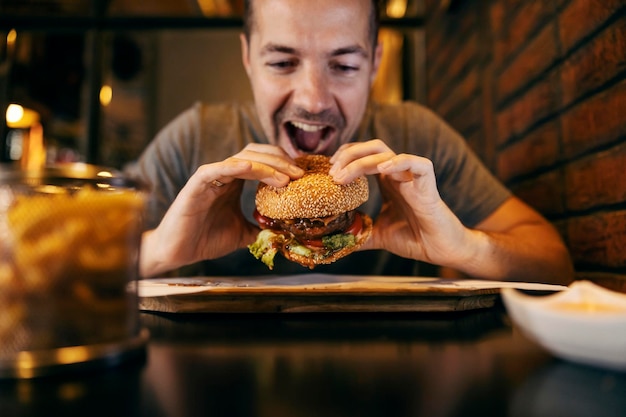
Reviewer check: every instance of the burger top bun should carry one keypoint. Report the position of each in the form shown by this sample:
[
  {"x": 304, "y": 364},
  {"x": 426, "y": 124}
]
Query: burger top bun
[{"x": 313, "y": 195}]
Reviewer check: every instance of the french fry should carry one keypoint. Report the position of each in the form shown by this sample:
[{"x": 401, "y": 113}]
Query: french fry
[{"x": 76, "y": 251}]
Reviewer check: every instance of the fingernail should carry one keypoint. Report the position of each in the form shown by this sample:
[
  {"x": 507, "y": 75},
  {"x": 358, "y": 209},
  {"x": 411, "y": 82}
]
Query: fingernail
[
  {"x": 385, "y": 165},
  {"x": 282, "y": 179},
  {"x": 338, "y": 176}
]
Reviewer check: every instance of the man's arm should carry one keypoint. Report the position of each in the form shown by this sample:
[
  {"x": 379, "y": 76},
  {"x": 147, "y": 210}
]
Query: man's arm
[
  {"x": 518, "y": 243},
  {"x": 512, "y": 243}
]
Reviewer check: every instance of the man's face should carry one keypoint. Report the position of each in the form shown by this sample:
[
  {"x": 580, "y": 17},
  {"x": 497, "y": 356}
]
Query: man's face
[{"x": 311, "y": 65}]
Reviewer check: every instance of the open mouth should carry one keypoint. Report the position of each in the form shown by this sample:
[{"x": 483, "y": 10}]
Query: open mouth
[{"x": 307, "y": 137}]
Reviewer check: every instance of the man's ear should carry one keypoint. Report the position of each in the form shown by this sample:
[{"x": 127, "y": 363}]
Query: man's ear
[
  {"x": 245, "y": 50},
  {"x": 378, "y": 56}
]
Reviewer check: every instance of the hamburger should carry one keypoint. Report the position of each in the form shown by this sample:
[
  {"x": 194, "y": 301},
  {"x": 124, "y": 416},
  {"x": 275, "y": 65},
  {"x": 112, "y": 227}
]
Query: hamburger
[{"x": 312, "y": 220}]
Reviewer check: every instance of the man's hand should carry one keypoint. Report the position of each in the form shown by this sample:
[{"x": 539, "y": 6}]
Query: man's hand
[
  {"x": 205, "y": 220},
  {"x": 414, "y": 222},
  {"x": 513, "y": 243}
]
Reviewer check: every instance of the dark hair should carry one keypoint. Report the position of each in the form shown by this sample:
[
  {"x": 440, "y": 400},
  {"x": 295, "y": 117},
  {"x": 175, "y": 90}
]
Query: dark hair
[{"x": 374, "y": 20}]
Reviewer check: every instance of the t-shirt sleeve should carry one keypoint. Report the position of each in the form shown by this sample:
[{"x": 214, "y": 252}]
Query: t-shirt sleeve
[
  {"x": 465, "y": 184},
  {"x": 164, "y": 166},
  {"x": 201, "y": 134}
]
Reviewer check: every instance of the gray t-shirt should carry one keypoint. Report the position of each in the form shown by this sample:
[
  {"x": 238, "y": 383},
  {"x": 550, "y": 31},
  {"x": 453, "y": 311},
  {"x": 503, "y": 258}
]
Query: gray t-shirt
[{"x": 210, "y": 133}]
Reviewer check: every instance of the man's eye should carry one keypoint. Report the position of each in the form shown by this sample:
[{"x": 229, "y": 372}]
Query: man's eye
[
  {"x": 345, "y": 69},
  {"x": 282, "y": 65}
]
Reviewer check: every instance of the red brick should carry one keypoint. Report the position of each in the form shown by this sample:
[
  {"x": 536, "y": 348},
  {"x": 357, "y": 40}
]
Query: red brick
[
  {"x": 454, "y": 32},
  {"x": 432, "y": 6},
  {"x": 598, "y": 239},
  {"x": 448, "y": 75},
  {"x": 469, "y": 119},
  {"x": 445, "y": 77},
  {"x": 535, "y": 104},
  {"x": 435, "y": 35},
  {"x": 462, "y": 92},
  {"x": 496, "y": 18},
  {"x": 434, "y": 93},
  {"x": 597, "y": 180},
  {"x": 540, "y": 149},
  {"x": 527, "y": 21},
  {"x": 600, "y": 60},
  {"x": 514, "y": 4},
  {"x": 536, "y": 57},
  {"x": 582, "y": 17},
  {"x": 441, "y": 52},
  {"x": 543, "y": 193},
  {"x": 447, "y": 67},
  {"x": 437, "y": 63},
  {"x": 488, "y": 151},
  {"x": 467, "y": 50},
  {"x": 597, "y": 121}
]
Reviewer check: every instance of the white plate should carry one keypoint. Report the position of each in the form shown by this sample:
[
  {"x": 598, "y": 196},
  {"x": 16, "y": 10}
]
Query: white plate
[{"x": 585, "y": 323}]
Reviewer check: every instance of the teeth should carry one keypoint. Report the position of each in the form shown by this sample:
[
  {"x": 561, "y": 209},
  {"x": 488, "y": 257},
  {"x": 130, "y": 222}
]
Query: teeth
[{"x": 307, "y": 127}]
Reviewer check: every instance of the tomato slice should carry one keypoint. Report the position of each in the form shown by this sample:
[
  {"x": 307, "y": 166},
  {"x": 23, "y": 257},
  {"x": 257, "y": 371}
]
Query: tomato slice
[
  {"x": 314, "y": 243},
  {"x": 264, "y": 222},
  {"x": 356, "y": 226},
  {"x": 354, "y": 229}
]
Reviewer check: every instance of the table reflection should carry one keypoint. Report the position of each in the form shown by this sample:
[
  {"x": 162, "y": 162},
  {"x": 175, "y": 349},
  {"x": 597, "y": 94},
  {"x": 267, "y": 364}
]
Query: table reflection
[
  {"x": 332, "y": 365},
  {"x": 104, "y": 392},
  {"x": 568, "y": 389},
  {"x": 339, "y": 365}
]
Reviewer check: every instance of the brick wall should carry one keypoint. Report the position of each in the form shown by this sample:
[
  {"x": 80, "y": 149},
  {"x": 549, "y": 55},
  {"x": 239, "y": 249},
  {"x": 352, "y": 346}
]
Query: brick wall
[{"x": 538, "y": 87}]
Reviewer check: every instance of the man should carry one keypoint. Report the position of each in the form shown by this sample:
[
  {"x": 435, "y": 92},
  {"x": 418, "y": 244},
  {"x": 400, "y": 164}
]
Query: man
[{"x": 311, "y": 66}]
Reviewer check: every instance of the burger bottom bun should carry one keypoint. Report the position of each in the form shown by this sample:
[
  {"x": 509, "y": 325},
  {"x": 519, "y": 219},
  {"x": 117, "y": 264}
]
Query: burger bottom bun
[{"x": 311, "y": 262}]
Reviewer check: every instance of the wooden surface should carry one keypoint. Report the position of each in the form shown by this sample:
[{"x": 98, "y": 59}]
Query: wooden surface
[
  {"x": 315, "y": 303},
  {"x": 315, "y": 293},
  {"x": 301, "y": 365}
]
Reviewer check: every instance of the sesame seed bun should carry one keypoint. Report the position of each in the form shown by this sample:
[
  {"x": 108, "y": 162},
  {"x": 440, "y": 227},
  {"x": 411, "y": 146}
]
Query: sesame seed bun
[{"x": 314, "y": 195}]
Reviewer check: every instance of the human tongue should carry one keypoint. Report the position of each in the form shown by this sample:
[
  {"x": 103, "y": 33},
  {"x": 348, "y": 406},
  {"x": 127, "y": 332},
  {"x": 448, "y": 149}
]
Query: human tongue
[{"x": 307, "y": 141}]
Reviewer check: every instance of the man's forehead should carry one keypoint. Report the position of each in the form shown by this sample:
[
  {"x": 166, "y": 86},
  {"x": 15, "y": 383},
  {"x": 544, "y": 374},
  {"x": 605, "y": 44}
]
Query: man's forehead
[{"x": 289, "y": 22}]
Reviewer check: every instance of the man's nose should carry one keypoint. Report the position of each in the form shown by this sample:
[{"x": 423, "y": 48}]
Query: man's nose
[{"x": 312, "y": 90}]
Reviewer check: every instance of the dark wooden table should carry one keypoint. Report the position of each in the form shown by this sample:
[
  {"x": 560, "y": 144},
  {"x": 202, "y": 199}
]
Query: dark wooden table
[{"x": 446, "y": 364}]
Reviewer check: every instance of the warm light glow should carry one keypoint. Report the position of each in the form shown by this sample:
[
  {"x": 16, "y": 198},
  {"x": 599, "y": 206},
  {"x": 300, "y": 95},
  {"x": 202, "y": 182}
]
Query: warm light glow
[
  {"x": 26, "y": 363},
  {"x": 387, "y": 86},
  {"x": 11, "y": 37},
  {"x": 212, "y": 8},
  {"x": 106, "y": 95},
  {"x": 18, "y": 117},
  {"x": 33, "y": 149},
  {"x": 71, "y": 391},
  {"x": 15, "y": 112},
  {"x": 396, "y": 8},
  {"x": 73, "y": 354}
]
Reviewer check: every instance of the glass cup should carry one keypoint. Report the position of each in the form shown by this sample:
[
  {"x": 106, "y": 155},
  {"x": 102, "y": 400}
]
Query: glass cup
[{"x": 69, "y": 247}]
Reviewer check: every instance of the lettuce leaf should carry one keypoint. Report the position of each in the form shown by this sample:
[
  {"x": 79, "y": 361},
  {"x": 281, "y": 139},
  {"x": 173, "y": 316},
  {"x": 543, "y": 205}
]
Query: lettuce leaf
[{"x": 266, "y": 246}]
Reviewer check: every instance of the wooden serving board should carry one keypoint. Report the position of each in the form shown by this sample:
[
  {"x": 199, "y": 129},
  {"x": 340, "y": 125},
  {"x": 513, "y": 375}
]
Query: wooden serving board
[{"x": 321, "y": 293}]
